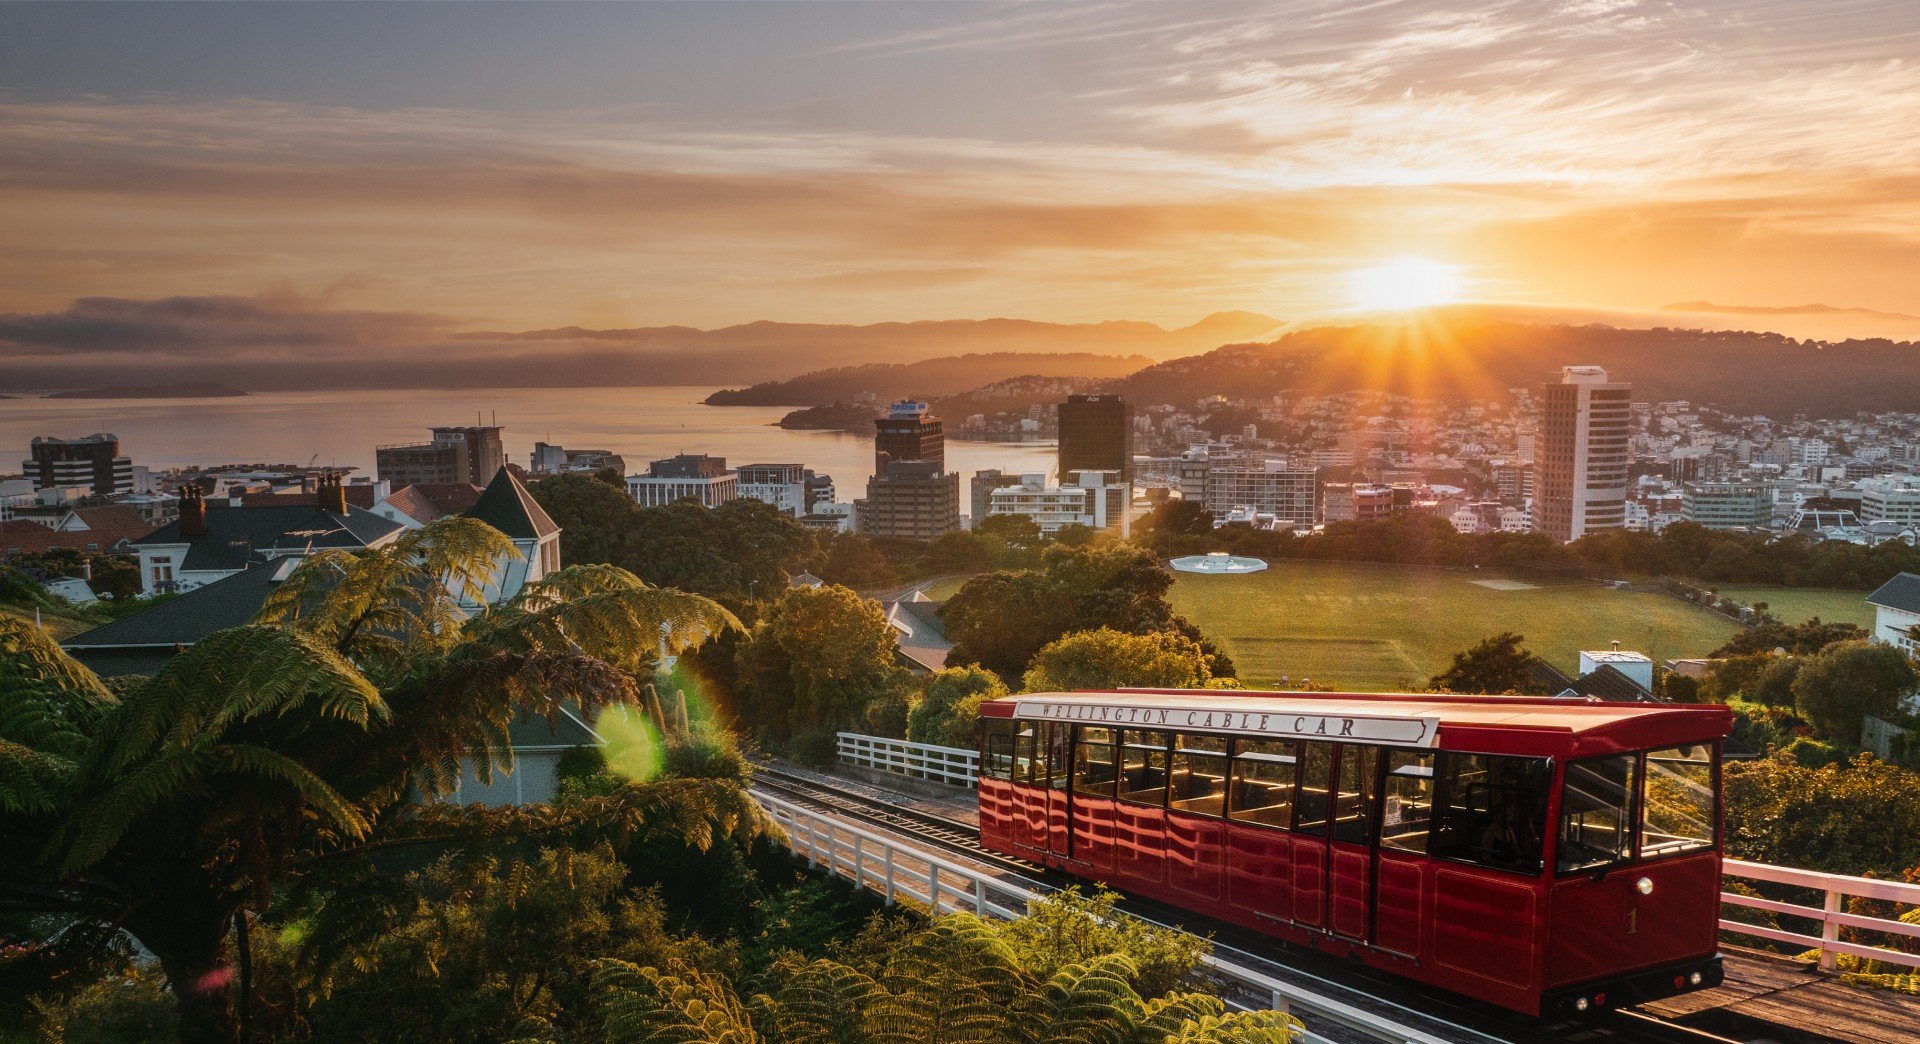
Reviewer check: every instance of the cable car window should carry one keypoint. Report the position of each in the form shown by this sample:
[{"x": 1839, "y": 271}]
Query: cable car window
[
  {"x": 1199, "y": 774},
  {"x": 1677, "y": 814},
  {"x": 1490, "y": 810},
  {"x": 1057, "y": 763},
  {"x": 1025, "y": 750},
  {"x": 996, "y": 748},
  {"x": 1596, "y": 813},
  {"x": 1316, "y": 777},
  {"x": 1093, "y": 762},
  {"x": 1408, "y": 809},
  {"x": 1143, "y": 767},
  {"x": 1262, "y": 789},
  {"x": 1353, "y": 803}
]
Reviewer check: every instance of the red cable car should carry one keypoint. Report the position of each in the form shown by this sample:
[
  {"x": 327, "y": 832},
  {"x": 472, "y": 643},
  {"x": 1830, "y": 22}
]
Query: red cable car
[{"x": 1548, "y": 856}]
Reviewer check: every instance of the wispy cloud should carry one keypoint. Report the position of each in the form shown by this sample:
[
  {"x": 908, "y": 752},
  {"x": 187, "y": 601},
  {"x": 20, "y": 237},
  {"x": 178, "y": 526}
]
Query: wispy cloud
[{"x": 1161, "y": 162}]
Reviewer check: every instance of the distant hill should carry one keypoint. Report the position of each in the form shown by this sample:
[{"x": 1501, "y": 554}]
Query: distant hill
[
  {"x": 192, "y": 390},
  {"x": 929, "y": 379},
  {"x": 1460, "y": 355},
  {"x": 835, "y": 416}
]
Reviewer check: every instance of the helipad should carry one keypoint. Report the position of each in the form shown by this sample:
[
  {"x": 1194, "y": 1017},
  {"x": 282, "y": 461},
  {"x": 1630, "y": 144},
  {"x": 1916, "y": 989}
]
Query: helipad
[{"x": 1218, "y": 562}]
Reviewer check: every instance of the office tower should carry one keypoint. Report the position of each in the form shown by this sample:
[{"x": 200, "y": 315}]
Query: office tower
[
  {"x": 911, "y": 494},
  {"x": 1096, "y": 434},
  {"x": 93, "y": 463},
  {"x": 1580, "y": 478},
  {"x": 686, "y": 475},
  {"x": 473, "y": 455},
  {"x": 909, "y": 431}
]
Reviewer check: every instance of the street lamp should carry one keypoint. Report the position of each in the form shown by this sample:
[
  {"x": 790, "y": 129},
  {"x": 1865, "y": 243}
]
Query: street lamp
[{"x": 751, "y": 585}]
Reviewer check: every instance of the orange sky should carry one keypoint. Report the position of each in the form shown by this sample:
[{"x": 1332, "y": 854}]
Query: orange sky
[{"x": 620, "y": 166}]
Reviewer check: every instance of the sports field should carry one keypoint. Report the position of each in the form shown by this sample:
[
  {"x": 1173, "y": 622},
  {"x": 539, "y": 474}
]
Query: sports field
[
  {"x": 1370, "y": 627},
  {"x": 1799, "y": 604}
]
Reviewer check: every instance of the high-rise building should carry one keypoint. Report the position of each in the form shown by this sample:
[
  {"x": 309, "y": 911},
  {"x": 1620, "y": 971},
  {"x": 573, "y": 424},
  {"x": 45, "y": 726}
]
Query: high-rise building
[
  {"x": 909, "y": 431},
  {"x": 982, "y": 485},
  {"x": 784, "y": 486},
  {"x": 911, "y": 493},
  {"x": 683, "y": 476},
  {"x": 1269, "y": 489},
  {"x": 1727, "y": 505},
  {"x": 1087, "y": 498},
  {"x": 93, "y": 463},
  {"x": 913, "y": 499},
  {"x": 1582, "y": 458},
  {"x": 473, "y": 455},
  {"x": 1096, "y": 434}
]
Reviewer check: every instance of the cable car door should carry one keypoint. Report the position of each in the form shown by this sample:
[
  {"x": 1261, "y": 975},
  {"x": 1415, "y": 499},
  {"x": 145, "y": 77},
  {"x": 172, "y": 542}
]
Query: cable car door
[
  {"x": 1350, "y": 837},
  {"x": 1059, "y": 767}
]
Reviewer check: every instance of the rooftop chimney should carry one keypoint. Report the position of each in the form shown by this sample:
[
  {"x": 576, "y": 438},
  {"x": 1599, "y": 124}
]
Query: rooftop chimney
[
  {"x": 332, "y": 495},
  {"x": 193, "y": 512}
]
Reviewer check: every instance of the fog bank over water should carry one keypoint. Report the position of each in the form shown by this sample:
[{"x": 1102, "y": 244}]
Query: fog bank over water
[{"x": 343, "y": 427}]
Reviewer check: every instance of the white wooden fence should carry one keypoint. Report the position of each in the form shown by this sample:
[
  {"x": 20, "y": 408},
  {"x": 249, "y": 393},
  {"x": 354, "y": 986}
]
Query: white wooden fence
[
  {"x": 955, "y": 766},
  {"x": 1830, "y": 915},
  {"x": 896, "y": 870},
  {"x": 960, "y": 767}
]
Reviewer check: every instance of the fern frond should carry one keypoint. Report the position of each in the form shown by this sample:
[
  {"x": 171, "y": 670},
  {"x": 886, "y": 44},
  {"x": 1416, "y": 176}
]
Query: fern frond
[{"x": 677, "y": 1006}]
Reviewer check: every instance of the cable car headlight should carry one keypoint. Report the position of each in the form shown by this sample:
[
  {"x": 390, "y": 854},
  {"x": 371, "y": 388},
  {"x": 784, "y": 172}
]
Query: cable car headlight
[
  {"x": 1644, "y": 886},
  {"x": 1580, "y": 1005},
  {"x": 1696, "y": 978}
]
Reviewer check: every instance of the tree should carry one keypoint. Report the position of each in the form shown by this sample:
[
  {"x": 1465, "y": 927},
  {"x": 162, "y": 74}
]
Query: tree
[
  {"x": 1836, "y": 689},
  {"x": 1017, "y": 530},
  {"x": 821, "y": 659},
  {"x": 741, "y": 547},
  {"x": 1108, "y": 659},
  {"x": 949, "y": 707},
  {"x": 1497, "y": 665},
  {"x": 957, "y": 979},
  {"x": 1802, "y": 639},
  {"x": 597, "y": 521},
  {"x": 1001, "y": 619},
  {"x": 1856, "y": 818},
  {"x": 1175, "y": 526},
  {"x": 263, "y": 749}
]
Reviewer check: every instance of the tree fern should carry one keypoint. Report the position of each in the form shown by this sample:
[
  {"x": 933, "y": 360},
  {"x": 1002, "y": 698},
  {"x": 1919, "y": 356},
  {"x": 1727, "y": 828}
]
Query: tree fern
[
  {"x": 678, "y": 1006},
  {"x": 1241, "y": 1027},
  {"x": 954, "y": 981},
  {"x": 823, "y": 1003},
  {"x": 1092, "y": 1003}
]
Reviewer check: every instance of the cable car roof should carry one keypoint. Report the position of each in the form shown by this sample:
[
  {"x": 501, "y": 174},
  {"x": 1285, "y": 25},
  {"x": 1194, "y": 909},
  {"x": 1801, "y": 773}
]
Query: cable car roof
[{"x": 1492, "y": 724}]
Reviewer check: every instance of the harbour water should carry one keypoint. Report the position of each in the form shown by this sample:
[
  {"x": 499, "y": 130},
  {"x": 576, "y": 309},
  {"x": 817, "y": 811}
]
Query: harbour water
[{"x": 343, "y": 427}]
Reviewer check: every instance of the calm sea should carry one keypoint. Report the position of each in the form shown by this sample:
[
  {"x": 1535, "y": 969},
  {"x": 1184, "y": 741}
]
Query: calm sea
[{"x": 343, "y": 427}]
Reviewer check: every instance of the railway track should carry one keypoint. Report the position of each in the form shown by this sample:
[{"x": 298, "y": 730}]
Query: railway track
[{"x": 1434, "y": 1011}]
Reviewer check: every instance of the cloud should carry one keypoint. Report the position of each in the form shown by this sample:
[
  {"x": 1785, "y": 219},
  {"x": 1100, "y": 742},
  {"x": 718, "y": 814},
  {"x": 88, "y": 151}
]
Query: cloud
[{"x": 1168, "y": 161}]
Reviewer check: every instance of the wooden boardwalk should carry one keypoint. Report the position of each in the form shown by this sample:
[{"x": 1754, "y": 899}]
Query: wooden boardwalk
[{"x": 1771, "y": 998}]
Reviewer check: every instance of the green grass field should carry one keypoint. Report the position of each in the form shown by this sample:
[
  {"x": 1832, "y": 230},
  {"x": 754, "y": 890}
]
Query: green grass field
[
  {"x": 1369, "y": 627},
  {"x": 1799, "y": 604}
]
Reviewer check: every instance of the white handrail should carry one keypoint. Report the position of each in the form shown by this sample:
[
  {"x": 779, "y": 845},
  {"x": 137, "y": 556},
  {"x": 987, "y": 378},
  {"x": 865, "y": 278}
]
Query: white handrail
[
  {"x": 874, "y": 860},
  {"x": 956, "y": 766},
  {"x": 1830, "y": 915},
  {"x": 961, "y": 767}
]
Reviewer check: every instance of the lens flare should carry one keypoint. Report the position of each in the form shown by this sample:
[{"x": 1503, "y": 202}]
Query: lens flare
[{"x": 634, "y": 750}]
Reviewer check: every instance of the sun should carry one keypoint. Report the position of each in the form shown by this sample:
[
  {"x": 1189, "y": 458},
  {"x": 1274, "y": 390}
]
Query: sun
[{"x": 1403, "y": 283}]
